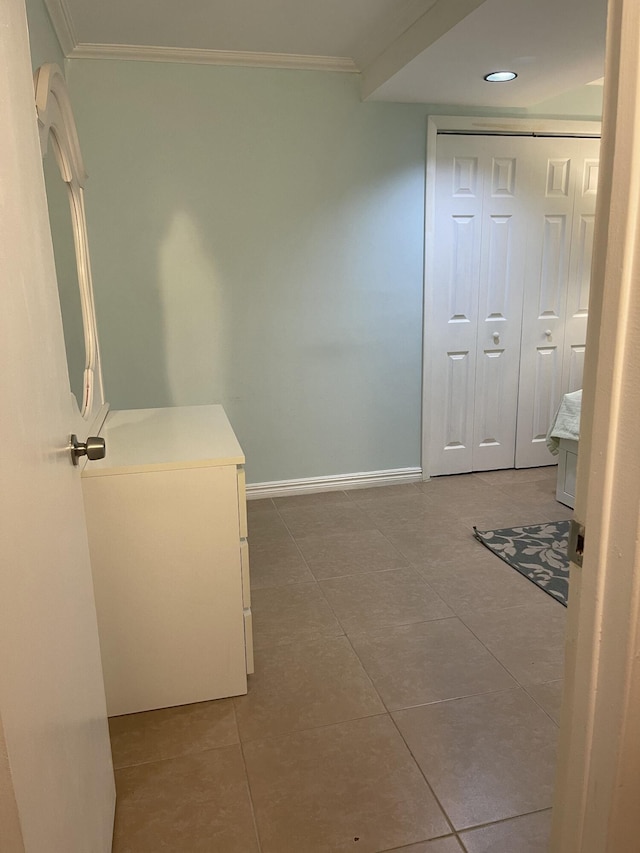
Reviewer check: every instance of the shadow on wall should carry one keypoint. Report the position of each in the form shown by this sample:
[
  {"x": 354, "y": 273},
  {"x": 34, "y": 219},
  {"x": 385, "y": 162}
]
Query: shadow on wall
[
  {"x": 161, "y": 308},
  {"x": 194, "y": 316}
]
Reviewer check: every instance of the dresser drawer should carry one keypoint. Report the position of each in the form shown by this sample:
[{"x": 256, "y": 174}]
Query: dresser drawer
[
  {"x": 248, "y": 640},
  {"x": 244, "y": 568},
  {"x": 242, "y": 503}
]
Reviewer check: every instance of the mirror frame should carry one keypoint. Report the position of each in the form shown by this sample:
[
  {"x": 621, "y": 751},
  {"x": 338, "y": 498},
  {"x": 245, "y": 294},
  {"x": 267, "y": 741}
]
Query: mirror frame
[{"x": 55, "y": 117}]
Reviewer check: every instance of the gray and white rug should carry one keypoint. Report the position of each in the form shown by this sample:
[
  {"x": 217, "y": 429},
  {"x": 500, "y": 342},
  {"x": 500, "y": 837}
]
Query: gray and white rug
[{"x": 538, "y": 551}]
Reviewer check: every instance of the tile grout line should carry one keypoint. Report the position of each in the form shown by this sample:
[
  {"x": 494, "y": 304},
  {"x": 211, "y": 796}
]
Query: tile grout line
[
  {"x": 395, "y": 548},
  {"x": 354, "y": 650},
  {"x": 295, "y": 542},
  {"x": 411, "y": 846},
  {"x": 251, "y": 803},
  {"x": 542, "y": 708},
  {"x": 435, "y": 701},
  {"x": 282, "y": 735},
  {"x": 503, "y": 820},
  {"x": 496, "y": 692},
  {"x": 248, "y": 781},
  {"x": 506, "y": 669},
  {"x": 424, "y": 776},
  {"x": 178, "y": 756}
]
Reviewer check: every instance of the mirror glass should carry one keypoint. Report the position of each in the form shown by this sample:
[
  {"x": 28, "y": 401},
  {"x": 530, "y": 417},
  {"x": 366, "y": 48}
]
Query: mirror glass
[{"x": 59, "y": 202}]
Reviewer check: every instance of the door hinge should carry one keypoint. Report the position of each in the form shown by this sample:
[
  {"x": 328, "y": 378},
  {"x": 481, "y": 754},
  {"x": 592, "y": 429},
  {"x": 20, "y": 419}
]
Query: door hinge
[{"x": 575, "y": 548}]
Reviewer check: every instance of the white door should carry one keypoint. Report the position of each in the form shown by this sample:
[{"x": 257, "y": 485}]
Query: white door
[
  {"x": 557, "y": 271},
  {"x": 480, "y": 235},
  {"x": 511, "y": 261},
  {"x": 597, "y": 786},
  {"x": 56, "y": 778},
  {"x": 577, "y": 310},
  {"x": 454, "y": 317}
]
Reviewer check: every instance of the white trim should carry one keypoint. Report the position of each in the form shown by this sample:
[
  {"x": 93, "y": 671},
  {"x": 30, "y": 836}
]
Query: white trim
[
  {"x": 195, "y": 56},
  {"x": 73, "y": 49},
  {"x": 338, "y": 482},
  {"x": 62, "y": 24},
  {"x": 477, "y": 124},
  {"x": 490, "y": 124}
]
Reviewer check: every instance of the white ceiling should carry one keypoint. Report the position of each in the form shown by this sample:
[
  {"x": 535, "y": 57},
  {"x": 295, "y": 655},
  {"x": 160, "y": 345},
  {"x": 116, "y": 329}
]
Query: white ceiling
[{"x": 430, "y": 51}]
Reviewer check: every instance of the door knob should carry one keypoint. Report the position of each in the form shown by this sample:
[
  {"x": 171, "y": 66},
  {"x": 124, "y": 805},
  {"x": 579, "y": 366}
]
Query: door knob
[
  {"x": 496, "y": 338},
  {"x": 93, "y": 448},
  {"x": 548, "y": 333}
]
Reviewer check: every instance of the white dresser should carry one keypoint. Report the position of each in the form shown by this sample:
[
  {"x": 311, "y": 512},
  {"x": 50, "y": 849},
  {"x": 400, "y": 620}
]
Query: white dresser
[{"x": 167, "y": 522}]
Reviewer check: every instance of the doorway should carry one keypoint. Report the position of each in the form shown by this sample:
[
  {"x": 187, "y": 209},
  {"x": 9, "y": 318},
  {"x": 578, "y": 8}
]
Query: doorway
[{"x": 510, "y": 212}]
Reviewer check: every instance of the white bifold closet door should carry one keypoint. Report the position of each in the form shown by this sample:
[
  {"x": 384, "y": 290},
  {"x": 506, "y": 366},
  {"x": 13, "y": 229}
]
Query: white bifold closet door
[
  {"x": 556, "y": 286},
  {"x": 513, "y": 226}
]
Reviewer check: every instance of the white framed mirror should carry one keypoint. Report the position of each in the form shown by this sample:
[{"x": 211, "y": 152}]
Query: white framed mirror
[{"x": 65, "y": 179}]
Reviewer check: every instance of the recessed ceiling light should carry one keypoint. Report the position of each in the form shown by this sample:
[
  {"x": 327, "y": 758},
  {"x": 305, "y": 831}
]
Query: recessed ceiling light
[{"x": 500, "y": 76}]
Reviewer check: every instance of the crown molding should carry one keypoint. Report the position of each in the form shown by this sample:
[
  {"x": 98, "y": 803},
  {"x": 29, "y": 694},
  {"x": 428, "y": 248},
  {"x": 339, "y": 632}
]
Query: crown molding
[
  {"x": 195, "y": 56},
  {"x": 73, "y": 49},
  {"x": 62, "y": 24}
]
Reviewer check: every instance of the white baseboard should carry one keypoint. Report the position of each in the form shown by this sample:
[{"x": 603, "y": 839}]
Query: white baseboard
[{"x": 339, "y": 482}]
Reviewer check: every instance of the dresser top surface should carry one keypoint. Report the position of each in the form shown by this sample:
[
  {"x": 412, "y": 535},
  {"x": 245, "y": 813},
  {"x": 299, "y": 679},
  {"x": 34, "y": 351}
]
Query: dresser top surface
[{"x": 140, "y": 440}]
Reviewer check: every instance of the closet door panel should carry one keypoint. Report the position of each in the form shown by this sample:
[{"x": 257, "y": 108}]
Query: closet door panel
[
  {"x": 552, "y": 281},
  {"x": 490, "y": 444},
  {"x": 557, "y": 287},
  {"x": 454, "y": 306},
  {"x": 551, "y": 201},
  {"x": 577, "y": 310},
  {"x": 458, "y": 385},
  {"x": 542, "y": 337},
  {"x": 575, "y": 370},
  {"x": 500, "y": 304},
  {"x": 545, "y": 390}
]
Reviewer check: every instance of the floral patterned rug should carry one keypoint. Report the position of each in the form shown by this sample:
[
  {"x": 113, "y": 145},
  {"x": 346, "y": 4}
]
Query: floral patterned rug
[{"x": 539, "y": 552}]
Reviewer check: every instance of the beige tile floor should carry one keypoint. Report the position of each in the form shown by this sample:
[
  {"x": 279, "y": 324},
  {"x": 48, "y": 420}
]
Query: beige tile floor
[{"x": 406, "y": 693}]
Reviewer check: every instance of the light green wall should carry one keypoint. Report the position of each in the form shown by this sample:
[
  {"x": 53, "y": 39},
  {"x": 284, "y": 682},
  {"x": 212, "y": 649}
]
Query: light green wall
[
  {"x": 42, "y": 38},
  {"x": 257, "y": 240},
  {"x": 584, "y": 102}
]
